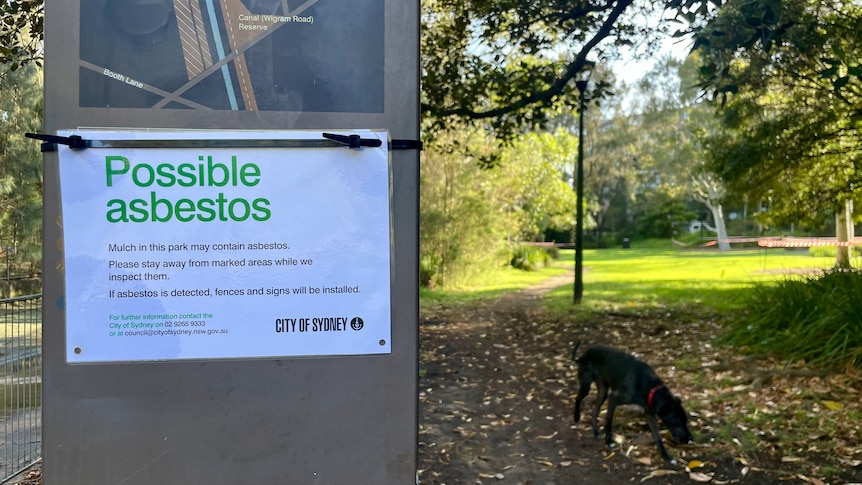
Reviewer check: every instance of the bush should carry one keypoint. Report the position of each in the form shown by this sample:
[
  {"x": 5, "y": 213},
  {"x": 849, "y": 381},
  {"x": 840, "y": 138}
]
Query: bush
[
  {"x": 552, "y": 251},
  {"x": 429, "y": 271},
  {"x": 529, "y": 258},
  {"x": 817, "y": 319},
  {"x": 829, "y": 251}
]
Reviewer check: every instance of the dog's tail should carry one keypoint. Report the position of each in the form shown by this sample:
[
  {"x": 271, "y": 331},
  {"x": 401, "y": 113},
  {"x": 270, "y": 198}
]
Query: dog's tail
[{"x": 575, "y": 351}]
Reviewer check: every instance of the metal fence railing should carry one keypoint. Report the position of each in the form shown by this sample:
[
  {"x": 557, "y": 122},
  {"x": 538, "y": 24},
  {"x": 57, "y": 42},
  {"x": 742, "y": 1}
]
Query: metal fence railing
[{"x": 21, "y": 352}]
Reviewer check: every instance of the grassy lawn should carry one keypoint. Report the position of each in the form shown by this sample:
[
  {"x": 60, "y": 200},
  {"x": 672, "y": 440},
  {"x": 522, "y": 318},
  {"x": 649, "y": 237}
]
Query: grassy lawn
[
  {"x": 643, "y": 278},
  {"x": 616, "y": 279},
  {"x": 492, "y": 284}
]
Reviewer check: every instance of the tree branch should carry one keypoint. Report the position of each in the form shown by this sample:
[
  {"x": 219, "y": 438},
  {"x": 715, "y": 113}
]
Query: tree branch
[{"x": 558, "y": 86}]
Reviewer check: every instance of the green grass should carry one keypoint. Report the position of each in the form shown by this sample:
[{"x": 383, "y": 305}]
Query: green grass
[
  {"x": 637, "y": 279},
  {"x": 652, "y": 277},
  {"x": 491, "y": 285}
]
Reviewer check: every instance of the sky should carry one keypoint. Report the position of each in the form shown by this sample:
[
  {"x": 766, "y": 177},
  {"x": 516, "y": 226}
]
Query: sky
[{"x": 631, "y": 71}]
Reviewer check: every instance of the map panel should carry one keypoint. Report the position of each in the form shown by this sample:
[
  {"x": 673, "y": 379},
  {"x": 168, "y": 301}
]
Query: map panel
[{"x": 251, "y": 55}]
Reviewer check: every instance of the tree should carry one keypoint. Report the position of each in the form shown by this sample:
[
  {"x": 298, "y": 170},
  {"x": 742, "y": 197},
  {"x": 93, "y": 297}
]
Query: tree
[
  {"x": 674, "y": 122},
  {"x": 610, "y": 163},
  {"x": 20, "y": 170},
  {"x": 532, "y": 186},
  {"x": 463, "y": 222},
  {"x": 506, "y": 60},
  {"x": 512, "y": 62},
  {"x": 21, "y": 24},
  {"x": 790, "y": 83}
]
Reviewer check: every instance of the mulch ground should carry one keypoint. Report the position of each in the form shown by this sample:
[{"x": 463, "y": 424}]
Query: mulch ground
[
  {"x": 497, "y": 388},
  {"x": 497, "y": 385}
]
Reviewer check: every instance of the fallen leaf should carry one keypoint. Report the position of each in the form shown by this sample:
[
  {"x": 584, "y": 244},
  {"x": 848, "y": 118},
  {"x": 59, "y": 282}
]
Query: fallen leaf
[
  {"x": 832, "y": 405},
  {"x": 693, "y": 464},
  {"x": 700, "y": 477},
  {"x": 815, "y": 481},
  {"x": 661, "y": 472}
]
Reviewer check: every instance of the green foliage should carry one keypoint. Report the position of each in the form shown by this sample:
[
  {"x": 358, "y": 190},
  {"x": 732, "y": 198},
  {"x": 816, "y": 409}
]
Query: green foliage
[
  {"x": 467, "y": 212},
  {"x": 675, "y": 158},
  {"x": 660, "y": 214},
  {"x": 529, "y": 258},
  {"x": 788, "y": 76},
  {"x": 531, "y": 183},
  {"x": 20, "y": 171},
  {"x": 512, "y": 62},
  {"x": 830, "y": 251},
  {"x": 21, "y": 25},
  {"x": 817, "y": 319},
  {"x": 463, "y": 228},
  {"x": 552, "y": 251},
  {"x": 612, "y": 148}
]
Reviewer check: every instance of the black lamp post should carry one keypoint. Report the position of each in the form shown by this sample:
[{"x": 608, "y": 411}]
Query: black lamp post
[{"x": 579, "y": 211}]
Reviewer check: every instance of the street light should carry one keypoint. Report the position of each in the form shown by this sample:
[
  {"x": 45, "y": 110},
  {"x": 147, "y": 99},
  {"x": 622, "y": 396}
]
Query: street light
[{"x": 579, "y": 210}]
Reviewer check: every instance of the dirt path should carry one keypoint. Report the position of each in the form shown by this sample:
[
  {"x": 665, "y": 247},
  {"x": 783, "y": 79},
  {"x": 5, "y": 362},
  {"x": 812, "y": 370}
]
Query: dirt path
[
  {"x": 496, "y": 391},
  {"x": 496, "y": 394}
]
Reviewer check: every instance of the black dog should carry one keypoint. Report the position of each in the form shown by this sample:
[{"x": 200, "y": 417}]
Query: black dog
[{"x": 630, "y": 381}]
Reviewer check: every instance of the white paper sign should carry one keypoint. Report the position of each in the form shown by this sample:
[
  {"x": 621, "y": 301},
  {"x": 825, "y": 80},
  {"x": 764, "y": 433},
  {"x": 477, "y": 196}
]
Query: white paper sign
[{"x": 220, "y": 253}]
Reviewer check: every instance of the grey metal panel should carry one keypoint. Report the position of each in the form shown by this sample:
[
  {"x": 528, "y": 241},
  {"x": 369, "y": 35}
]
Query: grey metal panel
[{"x": 348, "y": 420}]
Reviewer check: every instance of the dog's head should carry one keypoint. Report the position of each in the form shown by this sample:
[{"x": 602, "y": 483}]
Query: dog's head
[{"x": 675, "y": 418}]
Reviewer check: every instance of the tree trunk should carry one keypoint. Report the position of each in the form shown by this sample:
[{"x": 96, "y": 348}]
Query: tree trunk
[
  {"x": 710, "y": 192},
  {"x": 844, "y": 235},
  {"x": 720, "y": 227}
]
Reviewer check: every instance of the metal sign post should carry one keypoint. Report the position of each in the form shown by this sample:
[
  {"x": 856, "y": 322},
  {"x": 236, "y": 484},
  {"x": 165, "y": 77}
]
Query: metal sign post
[{"x": 174, "y": 218}]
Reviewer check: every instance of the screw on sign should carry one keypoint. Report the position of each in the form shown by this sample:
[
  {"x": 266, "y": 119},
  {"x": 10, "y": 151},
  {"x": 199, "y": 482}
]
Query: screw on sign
[{"x": 356, "y": 323}]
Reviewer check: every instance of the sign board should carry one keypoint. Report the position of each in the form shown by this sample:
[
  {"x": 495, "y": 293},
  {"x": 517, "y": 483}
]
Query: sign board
[
  {"x": 212, "y": 253},
  {"x": 252, "y": 55},
  {"x": 255, "y": 405}
]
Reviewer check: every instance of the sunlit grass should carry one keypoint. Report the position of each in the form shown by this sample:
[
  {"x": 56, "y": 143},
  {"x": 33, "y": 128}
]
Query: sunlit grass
[
  {"x": 642, "y": 278},
  {"x": 490, "y": 285}
]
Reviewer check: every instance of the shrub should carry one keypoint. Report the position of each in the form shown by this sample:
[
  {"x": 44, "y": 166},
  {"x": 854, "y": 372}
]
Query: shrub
[
  {"x": 429, "y": 271},
  {"x": 817, "y": 319},
  {"x": 552, "y": 250},
  {"x": 829, "y": 251},
  {"x": 529, "y": 258}
]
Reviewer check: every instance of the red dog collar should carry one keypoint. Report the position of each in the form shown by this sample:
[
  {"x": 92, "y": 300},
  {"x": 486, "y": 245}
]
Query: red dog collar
[{"x": 651, "y": 394}]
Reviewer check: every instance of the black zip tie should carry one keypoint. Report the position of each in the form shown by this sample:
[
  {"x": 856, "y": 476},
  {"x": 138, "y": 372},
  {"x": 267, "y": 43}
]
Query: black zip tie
[
  {"x": 75, "y": 142},
  {"x": 353, "y": 141},
  {"x": 406, "y": 145}
]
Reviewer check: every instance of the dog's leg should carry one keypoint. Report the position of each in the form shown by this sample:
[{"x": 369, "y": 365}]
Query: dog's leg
[
  {"x": 609, "y": 421},
  {"x": 584, "y": 388},
  {"x": 656, "y": 435},
  {"x": 602, "y": 394}
]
